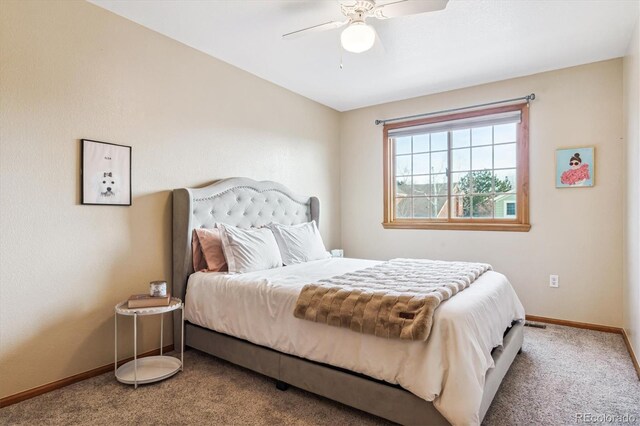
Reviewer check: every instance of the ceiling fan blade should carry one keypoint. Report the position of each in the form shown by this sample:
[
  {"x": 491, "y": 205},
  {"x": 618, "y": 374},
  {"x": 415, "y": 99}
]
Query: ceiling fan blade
[
  {"x": 316, "y": 28},
  {"x": 408, "y": 7}
]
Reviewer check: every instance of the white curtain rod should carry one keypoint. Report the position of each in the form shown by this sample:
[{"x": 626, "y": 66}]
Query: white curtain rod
[{"x": 527, "y": 98}]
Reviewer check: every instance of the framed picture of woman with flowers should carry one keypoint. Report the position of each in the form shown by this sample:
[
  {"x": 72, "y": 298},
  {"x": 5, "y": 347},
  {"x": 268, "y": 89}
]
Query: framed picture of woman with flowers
[{"x": 575, "y": 167}]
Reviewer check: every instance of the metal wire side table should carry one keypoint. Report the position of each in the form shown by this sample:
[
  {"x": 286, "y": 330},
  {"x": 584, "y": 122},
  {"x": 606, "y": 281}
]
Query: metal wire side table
[{"x": 153, "y": 368}]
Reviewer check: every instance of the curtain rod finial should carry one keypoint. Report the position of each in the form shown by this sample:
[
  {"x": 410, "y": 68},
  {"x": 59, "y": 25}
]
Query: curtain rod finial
[
  {"x": 531, "y": 97},
  {"x": 378, "y": 122}
]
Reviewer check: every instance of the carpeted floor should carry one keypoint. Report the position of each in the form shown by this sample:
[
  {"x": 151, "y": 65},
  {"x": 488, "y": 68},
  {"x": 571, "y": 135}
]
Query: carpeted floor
[{"x": 561, "y": 372}]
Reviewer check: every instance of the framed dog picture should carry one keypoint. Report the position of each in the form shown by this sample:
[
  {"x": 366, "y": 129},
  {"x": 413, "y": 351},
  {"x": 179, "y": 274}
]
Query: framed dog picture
[
  {"x": 575, "y": 167},
  {"x": 106, "y": 173}
]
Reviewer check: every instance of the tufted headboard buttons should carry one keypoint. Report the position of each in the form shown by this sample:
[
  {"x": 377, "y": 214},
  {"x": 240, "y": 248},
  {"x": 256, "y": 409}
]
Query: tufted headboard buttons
[{"x": 248, "y": 207}]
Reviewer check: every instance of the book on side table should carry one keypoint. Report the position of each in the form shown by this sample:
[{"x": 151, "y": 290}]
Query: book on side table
[{"x": 146, "y": 301}]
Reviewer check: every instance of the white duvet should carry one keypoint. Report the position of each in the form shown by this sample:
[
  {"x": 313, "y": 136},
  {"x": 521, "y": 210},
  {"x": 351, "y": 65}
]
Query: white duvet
[{"x": 448, "y": 369}]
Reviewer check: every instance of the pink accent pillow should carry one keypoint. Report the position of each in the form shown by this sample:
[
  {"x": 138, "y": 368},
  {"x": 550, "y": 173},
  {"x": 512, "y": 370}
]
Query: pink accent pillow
[
  {"x": 199, "y": 264},
  {"x": 211, "y": 249}
]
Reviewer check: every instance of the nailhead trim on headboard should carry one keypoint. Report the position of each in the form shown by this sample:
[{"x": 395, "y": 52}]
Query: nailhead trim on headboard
[{"x": 253, "y": 189}]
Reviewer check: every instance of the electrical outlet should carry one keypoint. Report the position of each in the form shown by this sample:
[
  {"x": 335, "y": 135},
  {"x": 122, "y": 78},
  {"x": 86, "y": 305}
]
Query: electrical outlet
[{"x": 554, "y": 281}]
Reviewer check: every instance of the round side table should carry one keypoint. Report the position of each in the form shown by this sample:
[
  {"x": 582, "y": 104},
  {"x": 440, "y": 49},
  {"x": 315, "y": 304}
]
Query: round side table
[{"x": 152, "y": 368}]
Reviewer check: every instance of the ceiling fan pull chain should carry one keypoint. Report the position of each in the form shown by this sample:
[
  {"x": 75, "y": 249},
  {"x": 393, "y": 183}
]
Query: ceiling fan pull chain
[{"x": 341, "y": 66}]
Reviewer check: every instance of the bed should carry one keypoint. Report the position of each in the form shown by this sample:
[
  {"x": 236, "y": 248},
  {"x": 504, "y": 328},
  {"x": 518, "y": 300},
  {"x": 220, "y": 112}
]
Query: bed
[{"x": 247, "y": 319}]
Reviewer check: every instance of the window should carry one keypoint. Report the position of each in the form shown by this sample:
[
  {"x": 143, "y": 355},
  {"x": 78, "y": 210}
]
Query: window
[
  {"x": 460, "y": 171},
  {"x": 510, "y": 209}
]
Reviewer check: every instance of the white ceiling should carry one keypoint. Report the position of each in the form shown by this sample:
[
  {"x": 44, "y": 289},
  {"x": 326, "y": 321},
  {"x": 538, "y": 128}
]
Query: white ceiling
[{"x": 470, "y": 42}]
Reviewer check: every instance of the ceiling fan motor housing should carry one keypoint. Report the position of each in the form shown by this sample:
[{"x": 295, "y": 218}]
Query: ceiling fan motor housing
[{"x": 357, "y": 10}]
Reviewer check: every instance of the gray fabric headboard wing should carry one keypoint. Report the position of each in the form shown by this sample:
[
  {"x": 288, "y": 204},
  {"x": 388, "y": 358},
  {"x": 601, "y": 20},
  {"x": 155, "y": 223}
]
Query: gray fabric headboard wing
[{"x": 237, "y": 201}]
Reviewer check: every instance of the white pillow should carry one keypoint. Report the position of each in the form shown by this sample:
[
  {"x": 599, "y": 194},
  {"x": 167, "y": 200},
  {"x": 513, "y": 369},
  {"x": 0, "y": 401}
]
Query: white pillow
[
  {"x": 249, "y": 250},
  {"x": 299, "y": 243}
]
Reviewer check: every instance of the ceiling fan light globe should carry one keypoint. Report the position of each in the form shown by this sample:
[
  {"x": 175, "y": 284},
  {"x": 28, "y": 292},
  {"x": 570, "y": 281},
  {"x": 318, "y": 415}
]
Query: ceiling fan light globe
[{"x": 358, "y": 37}]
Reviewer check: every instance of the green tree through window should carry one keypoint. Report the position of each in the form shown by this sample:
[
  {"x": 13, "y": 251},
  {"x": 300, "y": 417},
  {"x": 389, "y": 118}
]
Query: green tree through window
[{"x": 480, "y": 186}]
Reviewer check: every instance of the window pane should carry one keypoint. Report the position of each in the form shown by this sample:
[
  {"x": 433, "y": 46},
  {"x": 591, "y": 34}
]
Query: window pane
[
  {"x": 439, "y": 141},
  {"x": 461, "y": 138},
  {"x": 481, "y": 158},
  {"x": 439, "y": 207},
  {"x": 421, "y": 185},
  {"x": 403, "y": 186},
  {"x": 421, "y": 164},
  {"x": 482, "y": 206},
  {"x": 439, "y": 162},
  {"x": 421, "y": 143},
  {"x": 482, "y": 182},
  {"x": 403, "y": 208},
  {"x": 422, "y": 207},
  {"x": 510, "y": 209},
  {"x": 460, "y": 207},
  {"x": 403, "y": 165},
  {"x": 403, "y": 145},
  {"x": 481, "y": 136},
  {"x": 430, "y": 207},
  {"x": 460, "y": 183},
  {"x": 461, "y": 159},
  {"x": 505, "y": 180},
  {"x": 504, "y": 133},
  {"x": 505, "y": 156},
  {"x": 439, "y": 184}
]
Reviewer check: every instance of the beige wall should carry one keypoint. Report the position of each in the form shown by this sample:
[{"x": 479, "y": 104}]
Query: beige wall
[
  {"x": 576, "y": 233},
  {"x": 72, "y": 70},
  {"x": 631, "y": 295}
]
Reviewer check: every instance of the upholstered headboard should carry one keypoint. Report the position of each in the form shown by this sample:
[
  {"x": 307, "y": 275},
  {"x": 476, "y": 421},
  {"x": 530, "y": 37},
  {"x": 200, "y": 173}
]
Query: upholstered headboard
[{"x": 237, "y": 201}]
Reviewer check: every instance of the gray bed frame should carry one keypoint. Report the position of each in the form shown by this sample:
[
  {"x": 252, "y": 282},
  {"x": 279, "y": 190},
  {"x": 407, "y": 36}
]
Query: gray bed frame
[{"x": 247, "y": 203}]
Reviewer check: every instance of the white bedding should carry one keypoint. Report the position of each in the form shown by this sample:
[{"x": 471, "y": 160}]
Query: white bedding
[{"x": 448, "y": 369}]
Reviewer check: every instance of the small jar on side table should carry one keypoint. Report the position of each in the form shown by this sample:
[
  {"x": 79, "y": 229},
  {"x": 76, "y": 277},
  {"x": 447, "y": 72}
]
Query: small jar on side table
[{"x": 152, "y": 368}]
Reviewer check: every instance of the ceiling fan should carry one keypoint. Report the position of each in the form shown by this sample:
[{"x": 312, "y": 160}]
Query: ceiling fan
[{"x": 358, "y": 36}]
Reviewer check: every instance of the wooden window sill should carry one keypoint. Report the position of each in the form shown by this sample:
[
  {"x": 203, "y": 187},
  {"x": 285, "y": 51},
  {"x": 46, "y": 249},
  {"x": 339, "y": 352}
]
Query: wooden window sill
[{"x": 466, "y": 226}]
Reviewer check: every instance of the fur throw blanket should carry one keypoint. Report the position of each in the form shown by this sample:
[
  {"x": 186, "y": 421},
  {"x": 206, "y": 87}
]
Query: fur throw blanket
[{"x": 395, "y": 299}]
